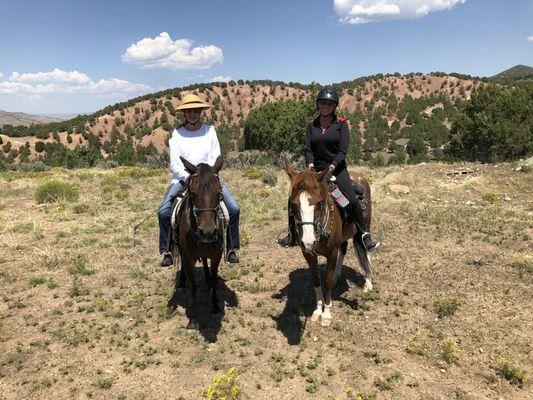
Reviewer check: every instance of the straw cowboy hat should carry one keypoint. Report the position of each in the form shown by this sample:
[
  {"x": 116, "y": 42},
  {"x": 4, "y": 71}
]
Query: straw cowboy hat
[{"x": 192, "y": 101}]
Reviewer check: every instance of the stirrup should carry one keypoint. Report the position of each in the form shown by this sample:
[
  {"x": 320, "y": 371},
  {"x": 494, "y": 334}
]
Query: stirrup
[{"x": 370, "y": 246}]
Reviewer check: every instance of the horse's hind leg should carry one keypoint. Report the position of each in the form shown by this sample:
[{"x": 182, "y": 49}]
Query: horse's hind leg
[
  {"x": 340, "y": 261},
  {"x": 215, "y": 262},
  {"x": 364, "y": 260},
  {"x": 173, "y": 301},
  {"x": 312, "y": 261}
]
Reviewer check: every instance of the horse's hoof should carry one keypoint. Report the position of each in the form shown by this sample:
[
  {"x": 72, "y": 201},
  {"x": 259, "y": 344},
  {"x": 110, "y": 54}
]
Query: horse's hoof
[
  {"x": 316, "y": 316},
  {"x": 216, "y": 310},
  {"x": 172, "y": 304},
  {"x": 192, "y": 325},
  {"x": 368, "y": 286},
  {"x": 325, "y": 322}
]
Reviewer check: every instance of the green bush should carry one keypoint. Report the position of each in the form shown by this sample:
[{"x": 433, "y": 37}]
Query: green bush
[
  {"x": 446, "y": 306},
  {"x": 55, "y": 191},
  {"x": 495, "y": 125},
  {"x": 278, "y": 126},
  {"x": 513, "y": 373},
  {"x": 252, "y": 173},
  {"x": 270, "y": 177}
]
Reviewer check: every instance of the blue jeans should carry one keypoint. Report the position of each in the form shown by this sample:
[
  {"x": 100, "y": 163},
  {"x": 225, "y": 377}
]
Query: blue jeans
[{"x": 165, "y": 211}]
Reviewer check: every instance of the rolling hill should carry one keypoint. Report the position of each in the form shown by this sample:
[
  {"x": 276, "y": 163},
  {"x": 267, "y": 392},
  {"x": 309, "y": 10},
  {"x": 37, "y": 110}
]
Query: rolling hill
[{"x": 18, "y": 118}]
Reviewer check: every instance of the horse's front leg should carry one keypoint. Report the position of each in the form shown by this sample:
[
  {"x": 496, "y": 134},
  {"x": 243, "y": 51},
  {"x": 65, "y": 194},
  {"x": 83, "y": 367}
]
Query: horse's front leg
[
  {"x": 206, "y": 270},
  {"x": 312, "y": 261},
  {"x": 215, "y": 262},
  {"x": 331, "y": 264},
  {"x": 187, "y": 266}
]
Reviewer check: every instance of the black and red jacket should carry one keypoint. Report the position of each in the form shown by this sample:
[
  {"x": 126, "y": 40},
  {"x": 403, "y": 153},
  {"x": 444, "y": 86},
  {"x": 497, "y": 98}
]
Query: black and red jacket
[{"x": 324, "y": 147}]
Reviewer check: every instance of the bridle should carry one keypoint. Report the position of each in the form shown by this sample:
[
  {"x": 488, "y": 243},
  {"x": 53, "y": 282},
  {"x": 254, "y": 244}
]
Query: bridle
[
  {"x": 195, "y": 211},
  {"x": 321, "y": 226}
]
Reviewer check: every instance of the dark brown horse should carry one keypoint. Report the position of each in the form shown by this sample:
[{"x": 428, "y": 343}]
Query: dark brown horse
[
  {"x": 199, "y": 234},
  {"x": 322, "y": 231}
]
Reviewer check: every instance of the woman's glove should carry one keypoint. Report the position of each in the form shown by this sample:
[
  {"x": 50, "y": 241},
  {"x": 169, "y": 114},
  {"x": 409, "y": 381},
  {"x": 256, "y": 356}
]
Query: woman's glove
[{"x": 329, "y": 174}]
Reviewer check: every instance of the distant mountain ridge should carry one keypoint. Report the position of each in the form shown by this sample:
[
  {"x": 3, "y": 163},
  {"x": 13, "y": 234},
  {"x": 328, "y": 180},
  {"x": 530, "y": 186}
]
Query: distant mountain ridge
[
  {"x": 19, "y": 118},
  {"x": 146, "y": 122},
  {"x": 516, "y": 72}
]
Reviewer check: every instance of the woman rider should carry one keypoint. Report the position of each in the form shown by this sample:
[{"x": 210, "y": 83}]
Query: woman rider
[
  {"x": 328, "y": 137},
  {"x": 197, "y": 143}
]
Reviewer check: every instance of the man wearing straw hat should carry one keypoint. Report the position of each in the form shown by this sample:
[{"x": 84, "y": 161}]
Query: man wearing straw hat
[{"x": 197, "y": 143}]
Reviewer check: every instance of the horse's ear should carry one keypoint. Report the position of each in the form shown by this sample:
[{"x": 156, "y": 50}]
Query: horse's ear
[
  {"x": 191, "y": 169},
  {"x": 322, "y": 174},
  {"x": 218, "y": 164},
  {"x": 289, "y": 169}
]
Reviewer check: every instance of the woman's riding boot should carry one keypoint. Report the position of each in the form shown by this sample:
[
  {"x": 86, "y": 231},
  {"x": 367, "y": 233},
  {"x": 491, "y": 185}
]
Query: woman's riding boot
[
  {"x": 363, "y": 227},
  {"x": 290, "y": 239}
]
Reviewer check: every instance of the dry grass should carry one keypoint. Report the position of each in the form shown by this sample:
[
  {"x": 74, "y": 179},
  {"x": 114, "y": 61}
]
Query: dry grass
[{"x": 83, "y": 303}]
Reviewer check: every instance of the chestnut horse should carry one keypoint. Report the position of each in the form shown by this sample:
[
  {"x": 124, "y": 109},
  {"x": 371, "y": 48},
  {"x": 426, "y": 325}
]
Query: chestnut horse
[
  {"x": 322, "y": 231},
  {"x": 199, "y": 234}
]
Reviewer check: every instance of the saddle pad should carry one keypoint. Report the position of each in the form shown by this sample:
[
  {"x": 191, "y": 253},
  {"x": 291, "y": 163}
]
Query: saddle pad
[
  {"x": 175, "y": 210},
  {"x": 225, "y": 212},
  {"x": 339, "y": 197}
]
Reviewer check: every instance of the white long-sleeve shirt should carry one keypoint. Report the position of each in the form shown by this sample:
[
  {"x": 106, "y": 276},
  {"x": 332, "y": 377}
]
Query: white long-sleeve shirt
[{"x": 197, "y": 147}]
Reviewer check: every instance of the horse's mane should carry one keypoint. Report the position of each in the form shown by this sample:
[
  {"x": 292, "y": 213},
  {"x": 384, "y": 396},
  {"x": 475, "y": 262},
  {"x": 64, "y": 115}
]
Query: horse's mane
[{"x": 307, "y": 181}]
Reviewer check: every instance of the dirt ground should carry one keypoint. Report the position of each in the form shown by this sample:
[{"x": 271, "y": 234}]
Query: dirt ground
[{"x": 83, "y": 300}]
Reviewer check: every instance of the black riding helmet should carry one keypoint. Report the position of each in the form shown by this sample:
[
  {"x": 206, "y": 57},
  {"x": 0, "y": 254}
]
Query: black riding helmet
[{"x": 328, "y": 93}]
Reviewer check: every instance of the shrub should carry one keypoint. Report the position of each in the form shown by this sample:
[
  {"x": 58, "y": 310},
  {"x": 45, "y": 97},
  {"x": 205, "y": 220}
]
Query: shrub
[
  {"x": 37, "y": 166},
  {"x": 39, "y": 147},
  {"x": 55, "y": 191},
  {"x": 514, "y": 374},
  {"x": 449, "y": 352},
  {"x": 224, "y": 387},
  {"x": 252, "y": 173},
  {"x": 494, "y": 125},
  {"x": 446, "y": 306},
  {"x": 490, "y": 197},
  {"x": 270, "y": 177}
]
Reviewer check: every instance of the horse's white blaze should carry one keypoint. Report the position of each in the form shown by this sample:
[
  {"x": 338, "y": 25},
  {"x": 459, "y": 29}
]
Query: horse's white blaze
[
  {"x": 308, "y": 215},
  {"x": 319, "y": 301},
  {"x": 338, "y": 267}
]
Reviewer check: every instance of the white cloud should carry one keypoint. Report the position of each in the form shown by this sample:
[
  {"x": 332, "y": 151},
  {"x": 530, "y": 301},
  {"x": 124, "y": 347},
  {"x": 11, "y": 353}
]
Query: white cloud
[
  {"x": 529, "y": 39},
  {"x": 364, "y": 11},
  {"x": 163, "y": 52},
  {"x": 220, "y": 78},
  {"x": 58, "y": 81},
  {"x": 56, "y": 76},
  {"x": 34, "y": 99},
  {"x": 1, "y": 75}
]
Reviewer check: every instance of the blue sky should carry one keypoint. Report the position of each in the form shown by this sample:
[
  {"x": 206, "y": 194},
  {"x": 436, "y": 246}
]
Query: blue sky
[{"x": 60, "y": 56}]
